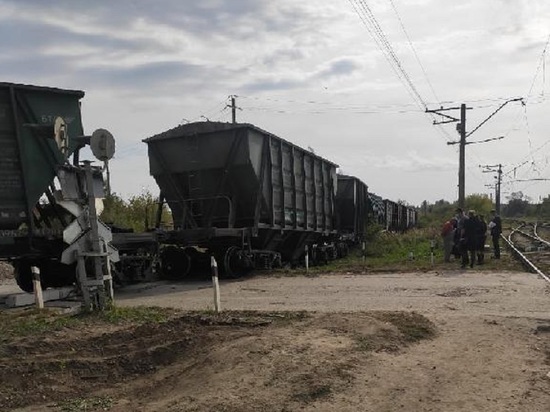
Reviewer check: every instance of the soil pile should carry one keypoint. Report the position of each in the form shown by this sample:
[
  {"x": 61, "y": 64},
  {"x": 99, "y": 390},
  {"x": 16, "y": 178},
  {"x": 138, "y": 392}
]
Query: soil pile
[
  {"x": 6, "y": 271},
  {"x": 235, "y": 361}
]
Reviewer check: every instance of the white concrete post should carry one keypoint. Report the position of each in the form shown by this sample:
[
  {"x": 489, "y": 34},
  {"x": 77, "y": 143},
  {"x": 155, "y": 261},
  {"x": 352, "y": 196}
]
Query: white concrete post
[
  {"x": 215, "y": 284},
  {"x": 38, "y": 297},
  {"x": 307, "y": 259}
]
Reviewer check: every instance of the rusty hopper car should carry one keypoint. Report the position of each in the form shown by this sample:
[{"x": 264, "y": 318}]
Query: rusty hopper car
[
  {"x": 352, "y": 208},
  {"x": 246, "y": 195}
]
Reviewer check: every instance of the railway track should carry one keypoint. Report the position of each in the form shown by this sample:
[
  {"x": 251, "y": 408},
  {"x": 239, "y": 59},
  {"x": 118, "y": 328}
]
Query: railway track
[{"x": 530, "y": 248}]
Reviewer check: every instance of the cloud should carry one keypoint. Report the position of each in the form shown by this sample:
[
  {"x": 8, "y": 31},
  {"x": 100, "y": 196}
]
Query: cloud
[
  {"x": 262, "y": 85},
  {"x": 410, "y": 162},
  {"x": 339, "y": 67}
]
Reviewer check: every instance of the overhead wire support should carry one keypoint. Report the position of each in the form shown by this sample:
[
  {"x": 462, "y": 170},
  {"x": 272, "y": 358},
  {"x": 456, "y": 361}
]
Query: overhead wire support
[
  {"x": 495, "y": 169},
  {"x": 518, "y": 99},
  {"x": 233, "y": 107},
  {"x": 461, "y": 128}
]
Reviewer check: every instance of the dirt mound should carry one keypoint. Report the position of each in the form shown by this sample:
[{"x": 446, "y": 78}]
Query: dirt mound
[
  {"x": 6, "y": 271},
  {"x": 236, "y": 361}
]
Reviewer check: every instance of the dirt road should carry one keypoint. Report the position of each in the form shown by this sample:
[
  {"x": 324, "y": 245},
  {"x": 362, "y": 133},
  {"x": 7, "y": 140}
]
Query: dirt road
[
  {"x": 490, "y": 351},
  {"x": 440, "y": 295},
  {"x": 488, "y": 355}
]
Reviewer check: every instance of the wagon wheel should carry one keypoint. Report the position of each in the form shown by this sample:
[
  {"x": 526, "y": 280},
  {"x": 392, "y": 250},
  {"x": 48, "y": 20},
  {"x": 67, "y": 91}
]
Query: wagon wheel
[
  {"x": 175, "y": 263},
  {"x": 234, "y": 263},
  {"x": 55, "y": 274},
  {"x": 23, "y": 275}
]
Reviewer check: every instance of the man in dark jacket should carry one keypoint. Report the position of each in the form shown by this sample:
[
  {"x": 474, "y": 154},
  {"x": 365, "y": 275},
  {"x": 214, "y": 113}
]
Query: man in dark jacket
[
  {"x": 481, "y": 238},
  {"x": 469, "y": 239},
  {"x": 495, "y": 226}
]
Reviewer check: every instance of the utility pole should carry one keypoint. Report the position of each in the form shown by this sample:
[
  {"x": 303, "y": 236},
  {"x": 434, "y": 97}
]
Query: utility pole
[
  {"x": 461, "y": 128},
  {"x": 498, "y": 177},
  {"x": 499, "y": 181},
  {"x": 234, "y": 108},
  {"x": 462, "y": 157}
]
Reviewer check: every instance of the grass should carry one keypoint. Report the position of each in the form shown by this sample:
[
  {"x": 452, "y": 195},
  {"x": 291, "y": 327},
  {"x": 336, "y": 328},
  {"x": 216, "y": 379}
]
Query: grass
[
  {"x": 36, "y": 322},
  {"x": 85, "y": 404},
  {"x": 364, "y": 343},
  {"x": 402, "y": 252}
]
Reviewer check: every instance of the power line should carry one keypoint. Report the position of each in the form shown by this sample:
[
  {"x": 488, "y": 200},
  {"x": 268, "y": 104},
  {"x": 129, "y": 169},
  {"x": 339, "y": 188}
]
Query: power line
[
  {"x": 375, "y": 30},
  {"x": 540, "y": 65},
  {"x": 366, "y": 15},
  {"x": 414, "y": 50}
]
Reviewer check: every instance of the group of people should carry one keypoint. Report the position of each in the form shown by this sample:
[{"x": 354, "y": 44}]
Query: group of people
[{"x": 465, "y": 235}]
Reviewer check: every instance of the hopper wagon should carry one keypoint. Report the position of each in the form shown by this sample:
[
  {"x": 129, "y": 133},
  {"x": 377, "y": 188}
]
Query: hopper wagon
[
  {"x": 352, "y": 201},
  {"x": 249, "y": 197}
]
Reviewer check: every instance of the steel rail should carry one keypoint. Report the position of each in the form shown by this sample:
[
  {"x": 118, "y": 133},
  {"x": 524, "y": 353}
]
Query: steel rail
[
  {"x": 521, "y": 256},
  {"x": 538, "y": 237}
]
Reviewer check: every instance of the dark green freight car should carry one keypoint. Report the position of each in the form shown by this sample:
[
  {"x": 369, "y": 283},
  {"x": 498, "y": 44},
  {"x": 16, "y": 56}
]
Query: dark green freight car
[
  {"x": 48, "y": 219},
  {"x": 30, "y": 156}
]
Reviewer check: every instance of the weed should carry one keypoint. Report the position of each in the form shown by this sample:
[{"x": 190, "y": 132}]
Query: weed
[
  {"x": 138, "y": 314},
  {"x": 412, "y": 326},
  {"x": 36, "y": 322},
  {"x": 85, "y": 404},
  {"x": 364, "y": 343}
]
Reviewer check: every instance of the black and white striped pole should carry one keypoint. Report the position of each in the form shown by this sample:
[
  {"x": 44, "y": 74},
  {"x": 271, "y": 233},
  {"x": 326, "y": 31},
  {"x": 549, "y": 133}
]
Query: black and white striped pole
[
  {"x": 37, "y": 285},
  {"x": 307, "y": 259},
  {"x": 215, "y": 283}
]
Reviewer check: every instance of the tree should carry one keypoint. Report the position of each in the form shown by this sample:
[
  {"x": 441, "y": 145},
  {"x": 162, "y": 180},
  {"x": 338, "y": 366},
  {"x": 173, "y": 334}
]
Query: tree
[
  {"x": 518, "y": 205},
  {"x": 544, "y": 208},
  {"x": 481, "y": 203},
  {"x": 138, "y": 213}
]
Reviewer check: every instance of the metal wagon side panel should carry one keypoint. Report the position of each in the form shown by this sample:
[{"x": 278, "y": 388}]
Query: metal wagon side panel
[{"x": 29, "y": 155}]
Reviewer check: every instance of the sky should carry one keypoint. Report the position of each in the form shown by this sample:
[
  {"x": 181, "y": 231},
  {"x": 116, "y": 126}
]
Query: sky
[{"x": 350, "y": 79}]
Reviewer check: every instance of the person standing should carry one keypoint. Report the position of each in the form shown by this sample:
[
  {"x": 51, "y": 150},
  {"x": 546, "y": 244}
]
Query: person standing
[
  {"x": 495, "y": 226},
  {"x": 460, "y": 241},
  {"x": 448, "y": 233},
  {"x": 481, "y": 238},
  {"x": 469, "y": 240}
]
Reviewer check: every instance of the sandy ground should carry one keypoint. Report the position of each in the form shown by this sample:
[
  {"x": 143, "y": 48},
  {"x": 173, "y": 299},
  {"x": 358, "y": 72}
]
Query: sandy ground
[
  {"x": 491, "y": 351},
  {"x": 487, "y": 356}
]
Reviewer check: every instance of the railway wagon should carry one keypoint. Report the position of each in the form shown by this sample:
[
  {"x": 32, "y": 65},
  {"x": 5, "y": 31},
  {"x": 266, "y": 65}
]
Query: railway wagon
[
  {"x": 411, "y": 217},
  {"x": 29, "y": 161},
  {"x": 377, "y": 210},
  {"x": 40, "y": 127},
  {"x": 392, "y": 215},
  {"x": 353, "y": 208},
  {"x": 248, "y": 196}
]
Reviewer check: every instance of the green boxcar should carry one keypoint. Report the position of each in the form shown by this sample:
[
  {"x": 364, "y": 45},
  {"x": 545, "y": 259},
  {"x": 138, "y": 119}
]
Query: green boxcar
[{"x": 29, "y": 155}]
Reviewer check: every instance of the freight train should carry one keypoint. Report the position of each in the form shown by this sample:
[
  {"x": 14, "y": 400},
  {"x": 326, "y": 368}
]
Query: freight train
[{"x": 236, "y": 192}]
